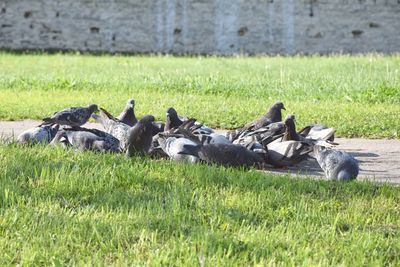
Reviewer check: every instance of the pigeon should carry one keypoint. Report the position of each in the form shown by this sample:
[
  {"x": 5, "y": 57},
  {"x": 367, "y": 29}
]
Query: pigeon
[
  {"x": 140, "y": 137},
  {"x": 116, "y": 128},
  {"x": 313, "y": 137},
  {"x": 127, "y": 116},
  {"x": 75, "y": 116},
  {"x": 226, "y": 154},
  {"x": 40, "y": 134},
  {"x": 318, "y": 132},
  {"x": 229, "y": 155},
  {"x": 212, "y": 138},
  {"x": 337, "y": 164},
  {"x": 264, "y": 135},
  {"x": 158, "y": 127},
  {"x": 288, "y": 153},
  {"x": 290, "y": 133},
  {"x": 252, "y": 144},
  {"x": 184, "y": 130},
  {"x": 179, "y": 149},
  {"x": 87, "y": 139},
  {"x": 173, "y": 120},
  {"x": 203, "y": 129},
  {"x": 273, "y": 115}
]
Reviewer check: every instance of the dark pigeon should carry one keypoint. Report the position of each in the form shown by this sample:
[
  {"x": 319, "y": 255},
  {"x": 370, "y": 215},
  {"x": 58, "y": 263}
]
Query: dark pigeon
[
  {"x": 127, "y": 116},
  {"x": 337, "y": 165},
  {"x": 140, "y": 137},
  {"x": 229, "y": 155},
  {"x": 290, "y": 133},
  {"x": 40, "y": 134},
  {"x": 158, "y": 127},
  {"x": 252, "y": 144},
  {"x": 86, "y": 139},
  {"x": 273, "y": 115},
  {"x": 173, "y": 120},
  {"x": 75, "y": 116},
  {"x": 313, "y": 137}
]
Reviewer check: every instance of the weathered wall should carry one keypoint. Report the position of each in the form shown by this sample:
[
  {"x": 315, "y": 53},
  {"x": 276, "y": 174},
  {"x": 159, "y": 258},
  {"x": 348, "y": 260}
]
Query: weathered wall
[{"x": 202, "y": 26}]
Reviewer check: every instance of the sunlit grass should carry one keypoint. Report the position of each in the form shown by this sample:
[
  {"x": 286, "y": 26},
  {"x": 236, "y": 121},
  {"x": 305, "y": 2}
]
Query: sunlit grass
[{"x": 66, "y": 207}]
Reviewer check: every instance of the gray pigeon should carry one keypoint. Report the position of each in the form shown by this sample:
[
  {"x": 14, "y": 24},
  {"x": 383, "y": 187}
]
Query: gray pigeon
[
  {"x": 140, "y": 137},
  {"x": 274, "y": 114},
  {"x": 75, "y": 116},
  {"x": 160, "y": 146},
  {"x": 40, "y": 134},
  {"x": 127, "y": 116},
  {"x": 179, "y": 149},
  {"x": 337, "y": 165},
  {"x": 116, "y": 128},
  {"x": 212, "y": 138},
  {"x": 86, "y": 139}
]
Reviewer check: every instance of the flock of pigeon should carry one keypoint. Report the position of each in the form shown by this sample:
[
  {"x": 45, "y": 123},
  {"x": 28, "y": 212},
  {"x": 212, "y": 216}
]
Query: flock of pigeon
[{"x": 265, "y": 142}]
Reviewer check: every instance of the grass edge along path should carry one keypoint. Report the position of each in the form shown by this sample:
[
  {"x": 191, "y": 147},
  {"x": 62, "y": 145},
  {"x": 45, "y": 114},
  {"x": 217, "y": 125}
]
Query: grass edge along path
[{"x": 66, "y": 207}]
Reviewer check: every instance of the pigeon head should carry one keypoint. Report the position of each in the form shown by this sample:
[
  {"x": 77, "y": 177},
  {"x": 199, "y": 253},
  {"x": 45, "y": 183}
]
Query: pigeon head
[
  {"x": 290, "y": 133},
  {"x": 93, "y": 108},
  {"x": 131, "y": 103},
  {"x": 171, "y": 112},
  {"x": 148, "y": 119},
  {"x": 290, "y": 120},
  {"x": 274, "y": 113},
  {"x": 278, "y": 105}
]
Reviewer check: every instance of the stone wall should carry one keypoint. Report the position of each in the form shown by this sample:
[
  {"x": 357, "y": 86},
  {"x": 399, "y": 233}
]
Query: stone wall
[{"x": 202, "y": 26}]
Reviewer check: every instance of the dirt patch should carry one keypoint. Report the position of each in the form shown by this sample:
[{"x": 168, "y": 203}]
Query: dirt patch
[{"x": 379, "y": 158}]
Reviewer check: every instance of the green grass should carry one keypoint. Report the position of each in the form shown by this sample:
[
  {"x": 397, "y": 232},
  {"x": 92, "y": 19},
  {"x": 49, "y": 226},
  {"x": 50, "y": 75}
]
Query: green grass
[
  {"x": 358, "y": 95},
  {"x": 62, "y": 207}
]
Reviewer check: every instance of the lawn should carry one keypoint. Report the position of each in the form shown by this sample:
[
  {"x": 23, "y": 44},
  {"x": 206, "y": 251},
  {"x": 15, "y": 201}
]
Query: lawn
[
  {"x": 357, "y": 95},
  {"x": 62, "y": 207}
]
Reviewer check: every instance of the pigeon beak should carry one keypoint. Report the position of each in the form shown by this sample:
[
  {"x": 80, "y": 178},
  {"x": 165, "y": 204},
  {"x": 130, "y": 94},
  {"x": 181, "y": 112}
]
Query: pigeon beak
[{"x": 283, "y": 108}]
